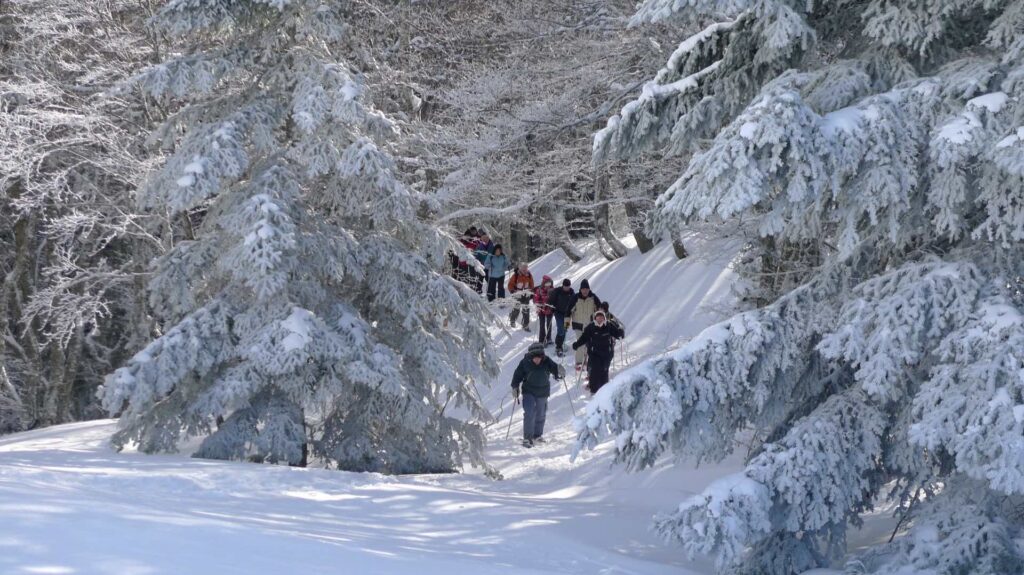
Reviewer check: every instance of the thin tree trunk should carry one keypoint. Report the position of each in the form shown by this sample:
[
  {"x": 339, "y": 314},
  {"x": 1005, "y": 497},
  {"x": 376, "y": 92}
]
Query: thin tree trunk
[
  {"x": 17, "y": 288},
  {"x": 564, "y": 241},
  {"x": 602, "y": 216},
  {"x": 518, "y": 249},
  {"x": 606, "y": 250},
  {"x": 643, "y": 242},
  {"x": 679, "y": 248}
]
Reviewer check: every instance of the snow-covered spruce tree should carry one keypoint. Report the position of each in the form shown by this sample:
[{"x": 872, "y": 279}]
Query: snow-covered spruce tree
[
  {"x": 878, "y": 148},
  {"x": 306, "y": 307}
]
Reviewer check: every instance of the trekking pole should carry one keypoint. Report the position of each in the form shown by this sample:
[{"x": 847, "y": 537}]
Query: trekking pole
[
  {"x": 568, "y": 394},
  {"x": 511, "y": 416}
]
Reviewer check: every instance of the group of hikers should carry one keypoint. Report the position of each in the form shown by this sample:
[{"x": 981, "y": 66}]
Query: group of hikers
[
  {"x": 595, "y": 348},
  {"x": 597, "y": 331},
  {"x": 558, "y": 309}
]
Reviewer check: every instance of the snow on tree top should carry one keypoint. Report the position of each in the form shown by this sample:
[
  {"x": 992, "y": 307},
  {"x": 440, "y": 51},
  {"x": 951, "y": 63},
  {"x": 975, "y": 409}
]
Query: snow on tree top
[
  {"x": 993, "y": 102},
  {"x": 299, "y": 324}
]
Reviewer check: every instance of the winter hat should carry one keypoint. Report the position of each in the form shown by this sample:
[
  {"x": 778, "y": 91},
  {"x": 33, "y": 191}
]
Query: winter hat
[
  {"x": 566, "y": 282},
  {"x": 584, "y": 284},
  {"x": 601, "y": 313},
  {"x": 546, "y": 280},
  {"x": 604, "y": 305},
  {"x": 536, "y": 349}
]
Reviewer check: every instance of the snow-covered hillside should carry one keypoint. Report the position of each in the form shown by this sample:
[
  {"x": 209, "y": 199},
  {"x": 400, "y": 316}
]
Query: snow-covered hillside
[{"x": 71, "y": 505}]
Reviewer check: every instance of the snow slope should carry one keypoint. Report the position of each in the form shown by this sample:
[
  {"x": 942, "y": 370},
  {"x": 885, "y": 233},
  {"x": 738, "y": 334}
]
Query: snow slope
[{"x": 71, "y": 505}]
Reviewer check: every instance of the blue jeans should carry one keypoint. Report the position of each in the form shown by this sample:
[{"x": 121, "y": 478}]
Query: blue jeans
[
  {"x": 559, "y": 330},
  {"x": 535, "y": 411}
]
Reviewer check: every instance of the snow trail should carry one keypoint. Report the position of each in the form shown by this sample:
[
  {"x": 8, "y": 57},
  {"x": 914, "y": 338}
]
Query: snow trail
[{"x": 72, "y": 505}]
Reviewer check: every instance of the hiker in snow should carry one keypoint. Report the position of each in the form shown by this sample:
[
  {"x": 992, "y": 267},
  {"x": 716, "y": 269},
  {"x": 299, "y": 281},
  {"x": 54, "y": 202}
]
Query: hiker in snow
[
  {"x": 583, "y": 307},
  {"x": 482, "y": 249},
  {"x": 495, "y": 266},
  {"x": 470, "y": 276},
  {"x": 520, "y": 287},
  {"x": 544, "y": 310},
  {"x": 612, "y": 319},
  {"x": 599, "y": 340},
  {"x": 533, "y": 374},
  {"x": 560, "y": 301}
]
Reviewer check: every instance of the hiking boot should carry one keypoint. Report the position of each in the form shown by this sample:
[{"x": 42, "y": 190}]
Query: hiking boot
[
  {"x": 527, "y": 443},
  {"x": 560, "y": 352},
  {"x": 526, "y": 328}
]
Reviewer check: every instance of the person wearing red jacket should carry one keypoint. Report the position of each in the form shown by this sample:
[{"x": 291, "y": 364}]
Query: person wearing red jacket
[
  {"x": 466, "y": 272},
  {"x": 520, "y": 287},
  {"x": 545, "y": 312}
]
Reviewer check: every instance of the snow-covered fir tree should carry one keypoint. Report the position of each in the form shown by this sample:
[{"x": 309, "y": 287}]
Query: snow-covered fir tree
[
  {"x": 876, "y": 151},
  {"x": 303, "y": 312}
]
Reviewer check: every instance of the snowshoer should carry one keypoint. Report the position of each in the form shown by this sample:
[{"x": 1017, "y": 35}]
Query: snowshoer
[
  {"x": 520, "y": 287},
  {"x": 484, "y": 247},
  {"x": 599, "y": 340},
  {"x": 583, "y": 307},
  {"x": 560, "y": 301},
  {"x": 472, "y": 278},
  {"x": 544, "y": 310},
  {"x": 496, "y": 265},
  {"x": 533, "y": 375},
  {"x": 612, "y": 319}
]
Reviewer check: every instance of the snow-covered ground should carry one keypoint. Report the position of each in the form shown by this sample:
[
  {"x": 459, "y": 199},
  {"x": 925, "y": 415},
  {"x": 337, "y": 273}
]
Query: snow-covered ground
[{"x": 71, "y": 505}]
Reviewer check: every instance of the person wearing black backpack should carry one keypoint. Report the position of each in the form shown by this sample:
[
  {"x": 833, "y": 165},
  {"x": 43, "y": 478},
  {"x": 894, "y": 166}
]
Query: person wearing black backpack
[{"x": 599, "y": 337}]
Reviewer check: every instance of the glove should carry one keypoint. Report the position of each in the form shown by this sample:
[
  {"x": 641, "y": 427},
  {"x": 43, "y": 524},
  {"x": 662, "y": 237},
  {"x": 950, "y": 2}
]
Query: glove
[
  {"x": 568, "y": 322},
  {"x": 575, "y": 346},
  {"x": 561, "y": 371},
  {"x": 515, "y": 393}
]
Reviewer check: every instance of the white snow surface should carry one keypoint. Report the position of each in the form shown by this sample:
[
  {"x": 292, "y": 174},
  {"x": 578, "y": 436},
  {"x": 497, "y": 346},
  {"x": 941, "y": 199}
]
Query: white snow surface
[{"x": 71, "y": 505}]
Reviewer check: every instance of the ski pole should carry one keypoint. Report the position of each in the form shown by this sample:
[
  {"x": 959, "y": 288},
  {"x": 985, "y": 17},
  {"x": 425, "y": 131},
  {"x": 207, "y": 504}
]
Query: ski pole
[
  {"x": 568, "y": 394},
  {"x": 511, "y": 416}
]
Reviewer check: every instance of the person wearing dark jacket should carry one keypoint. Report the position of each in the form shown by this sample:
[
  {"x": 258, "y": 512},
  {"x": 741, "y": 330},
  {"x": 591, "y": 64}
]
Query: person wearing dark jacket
[
  {"x": 599, "y": 339},
  {"x": 560, "y": 301},
  {"x": 533, "y": 375},
  {"x": 611, "y": 317}
]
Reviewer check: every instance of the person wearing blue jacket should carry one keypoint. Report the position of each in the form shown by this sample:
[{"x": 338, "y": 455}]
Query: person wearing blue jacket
[{"x": 495, "y": 265}]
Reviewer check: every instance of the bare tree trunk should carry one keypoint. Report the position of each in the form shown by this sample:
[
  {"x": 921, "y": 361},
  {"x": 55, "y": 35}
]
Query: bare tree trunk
[
  {"x": 518, "y": 249},
  {"x": 17, "y": 288},
  {"x": 564, "y": 241},
  {"x": 679, "y": 248},
  {"x": 606, "y": 250},
  {"x": 602, "y": 216},
  {"x": 643, "y": 242}
]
